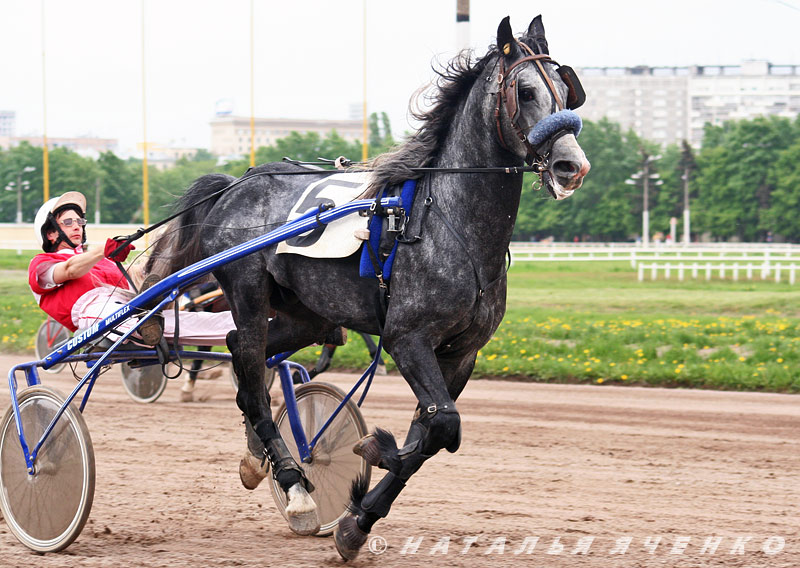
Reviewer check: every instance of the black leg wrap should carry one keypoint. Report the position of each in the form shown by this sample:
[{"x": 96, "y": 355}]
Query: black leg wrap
[
  {"x": 376, "y": 503},
  {"x": 443, "y": 424},
  {"x": 284, "y": 469}
]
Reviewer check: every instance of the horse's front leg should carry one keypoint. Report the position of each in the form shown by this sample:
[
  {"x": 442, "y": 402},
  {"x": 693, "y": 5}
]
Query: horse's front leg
[
  {"x": 264, "y": 441},
  {"x": 436, "y": 425}
]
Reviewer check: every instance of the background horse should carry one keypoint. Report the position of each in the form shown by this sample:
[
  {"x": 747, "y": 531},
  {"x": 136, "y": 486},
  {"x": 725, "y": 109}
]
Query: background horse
[{"x": 448, "y": 288}]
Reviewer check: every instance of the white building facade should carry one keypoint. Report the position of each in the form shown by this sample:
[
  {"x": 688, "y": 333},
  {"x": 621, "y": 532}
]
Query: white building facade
[
  {"x": 230, "y": 135},
  {"x": 669, "y": 104}
]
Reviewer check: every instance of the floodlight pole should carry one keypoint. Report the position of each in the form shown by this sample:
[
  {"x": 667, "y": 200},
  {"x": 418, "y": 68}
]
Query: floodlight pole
[
  {"x": 18, "y": 186},
  {"x": 645, "y": 205},
  {"x": 687, "y": 234}
]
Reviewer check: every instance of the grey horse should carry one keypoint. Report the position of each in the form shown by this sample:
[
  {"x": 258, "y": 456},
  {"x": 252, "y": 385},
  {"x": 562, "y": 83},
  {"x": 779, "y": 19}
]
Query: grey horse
[{"x": 447, "y": 293}]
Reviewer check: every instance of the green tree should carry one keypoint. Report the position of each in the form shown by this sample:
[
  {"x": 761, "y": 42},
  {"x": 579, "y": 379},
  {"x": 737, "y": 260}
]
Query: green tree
[
  {"x": 380, "y": 134},
  {"x": 12, "y": 162},
  {"x": 120, "y": 190},
  {"x": 603, "y": 207},
  {"x": 734, "y": 183},
  {"x": 785, "y": 198}
]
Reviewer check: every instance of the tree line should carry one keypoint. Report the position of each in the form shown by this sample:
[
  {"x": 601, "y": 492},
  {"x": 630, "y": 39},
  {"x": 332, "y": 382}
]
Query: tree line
[{"x": 743, "y": 184}]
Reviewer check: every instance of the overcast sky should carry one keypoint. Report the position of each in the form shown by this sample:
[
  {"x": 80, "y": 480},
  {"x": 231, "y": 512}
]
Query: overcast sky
[{"x": 308, "y": 54}]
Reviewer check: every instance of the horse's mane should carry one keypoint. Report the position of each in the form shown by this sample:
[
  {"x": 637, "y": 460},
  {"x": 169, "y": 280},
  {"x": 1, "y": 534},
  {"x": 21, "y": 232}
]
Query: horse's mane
[{"x": 452, "y": 85}]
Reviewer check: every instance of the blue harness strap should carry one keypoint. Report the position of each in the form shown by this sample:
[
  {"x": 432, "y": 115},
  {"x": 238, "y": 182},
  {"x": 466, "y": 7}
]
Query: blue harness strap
[{"x": 366, "y": 268}]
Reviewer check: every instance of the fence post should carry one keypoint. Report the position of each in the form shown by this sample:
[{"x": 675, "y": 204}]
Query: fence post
[
  {"x": 722, "y": 272},
  {"x": 749, "y": 270},
  {"x": 777, "y": 273},
  {"x": 641, "y": 272},
  {"x": 654, "y": 268},
  {"x": 667, "y": 266},
  {"x": 708, "y": 271},
  {"x": 791, "y": 274},
  {"x": 680, "y": 272},
  {"x": 735, "y": 271}
]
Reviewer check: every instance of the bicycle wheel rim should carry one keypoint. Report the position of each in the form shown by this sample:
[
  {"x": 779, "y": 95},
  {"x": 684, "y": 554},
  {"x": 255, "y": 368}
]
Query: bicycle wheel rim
[
  {"x": 334, "y": 466},
  {"x": 46, "y": 511},
  {"x": 143, "y": 384}
]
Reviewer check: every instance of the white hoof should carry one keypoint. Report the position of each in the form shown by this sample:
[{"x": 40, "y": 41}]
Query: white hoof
[
  {"x": 302, "y": 511},
  {"x": 187, "y": 396},
  {"x": 250, "y": 471}
]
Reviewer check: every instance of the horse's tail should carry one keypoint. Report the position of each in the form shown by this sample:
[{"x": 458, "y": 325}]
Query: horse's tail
[{"x": 179, "y": 245}]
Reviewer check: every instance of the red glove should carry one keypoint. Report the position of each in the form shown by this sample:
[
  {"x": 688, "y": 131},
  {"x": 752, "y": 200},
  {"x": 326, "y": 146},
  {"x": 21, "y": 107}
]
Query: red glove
[{"x": 120, "y": 256}]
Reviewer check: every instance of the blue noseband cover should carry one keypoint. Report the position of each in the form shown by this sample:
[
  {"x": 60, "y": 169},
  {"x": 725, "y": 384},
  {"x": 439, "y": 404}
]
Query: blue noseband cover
[{"x": 561, "y": 120}]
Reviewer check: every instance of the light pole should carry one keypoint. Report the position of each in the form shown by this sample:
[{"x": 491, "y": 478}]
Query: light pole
[
  {"x": 97, "y": 202},
  {"x": 688, "y": 163},
  {"x": 19, "y": 186},
  {"x": 687, "y": 235},
  {"x": 645, "y": 175}
]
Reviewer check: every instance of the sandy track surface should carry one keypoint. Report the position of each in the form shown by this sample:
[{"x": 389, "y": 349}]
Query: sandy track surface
[{"x": 602, "y": 476}]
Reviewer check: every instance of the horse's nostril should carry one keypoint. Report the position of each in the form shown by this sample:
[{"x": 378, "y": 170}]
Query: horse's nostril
[{"x": 566, "y": 168}]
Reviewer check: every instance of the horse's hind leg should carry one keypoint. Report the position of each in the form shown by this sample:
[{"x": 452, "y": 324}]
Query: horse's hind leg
[{"x": 247, "y": 345}]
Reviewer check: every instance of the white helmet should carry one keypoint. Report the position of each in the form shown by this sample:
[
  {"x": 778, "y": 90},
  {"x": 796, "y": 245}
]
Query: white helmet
[{"x": 69, "y": 198}]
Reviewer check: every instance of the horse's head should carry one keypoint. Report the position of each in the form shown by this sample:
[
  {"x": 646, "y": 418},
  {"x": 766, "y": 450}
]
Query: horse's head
[{"x": 534, "y": 99}]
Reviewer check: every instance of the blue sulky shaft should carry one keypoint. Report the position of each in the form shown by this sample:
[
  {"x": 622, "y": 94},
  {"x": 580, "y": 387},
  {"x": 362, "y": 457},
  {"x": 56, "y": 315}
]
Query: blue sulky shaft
[{"x": 163, "y": 292}]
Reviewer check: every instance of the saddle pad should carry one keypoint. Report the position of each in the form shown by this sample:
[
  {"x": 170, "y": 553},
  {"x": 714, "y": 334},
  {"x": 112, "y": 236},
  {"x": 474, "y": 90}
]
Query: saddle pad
[{"x": 336, "y": 239}]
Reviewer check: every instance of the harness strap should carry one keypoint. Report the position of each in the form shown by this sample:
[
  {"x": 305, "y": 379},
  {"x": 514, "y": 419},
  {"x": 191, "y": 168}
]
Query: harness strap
[{"x": 543, "y": 73}]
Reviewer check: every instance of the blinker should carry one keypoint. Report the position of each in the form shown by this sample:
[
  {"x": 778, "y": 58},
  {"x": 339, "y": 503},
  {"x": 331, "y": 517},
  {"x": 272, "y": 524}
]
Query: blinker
[{"x": 576, "y": 96}]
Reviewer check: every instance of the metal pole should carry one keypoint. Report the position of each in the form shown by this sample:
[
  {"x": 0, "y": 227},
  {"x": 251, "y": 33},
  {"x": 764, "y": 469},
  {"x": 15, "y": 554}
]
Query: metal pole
[
  {"x": 252, "y": 90},
  {"x": 645, "y": 206},
  {"x": 687, "y": 234},
  {"x": 97, "y": 202},
  {"x": 365, "y": 142},
  {"x": 45, "y": 157},
  {"x": 462, "y": 24},
  {"x": 19, "y": 197},
  {"x": 145, "y": 180}
]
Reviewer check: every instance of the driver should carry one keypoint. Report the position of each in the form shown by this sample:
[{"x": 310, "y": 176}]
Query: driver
[{"x": 77, "y": 288}]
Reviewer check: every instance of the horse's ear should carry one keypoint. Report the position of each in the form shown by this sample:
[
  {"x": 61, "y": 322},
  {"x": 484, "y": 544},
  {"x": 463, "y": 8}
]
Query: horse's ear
[
  {"x": 535, "y": 37},
  {"x": 505, "y": 38}
]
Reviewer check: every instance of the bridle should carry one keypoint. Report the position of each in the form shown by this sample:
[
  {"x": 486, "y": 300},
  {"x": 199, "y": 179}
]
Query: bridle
[{"x": 508, "y": 98}]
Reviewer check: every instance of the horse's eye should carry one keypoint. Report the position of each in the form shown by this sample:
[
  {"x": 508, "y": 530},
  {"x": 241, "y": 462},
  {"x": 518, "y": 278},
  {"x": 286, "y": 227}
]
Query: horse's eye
[{"x": 526, "y": 95}]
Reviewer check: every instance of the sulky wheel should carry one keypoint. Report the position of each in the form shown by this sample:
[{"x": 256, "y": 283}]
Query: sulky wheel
[
  {"x": 50, "y": 336},
  {"x": 269, "y": 378},
  {"x": 333, "y": 466},
  {"x": 143, "y": 384},
  {"x": 46, "y": 511}
]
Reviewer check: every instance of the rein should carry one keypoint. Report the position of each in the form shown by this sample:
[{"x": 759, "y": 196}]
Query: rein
[{"x": 127, "y": 239}]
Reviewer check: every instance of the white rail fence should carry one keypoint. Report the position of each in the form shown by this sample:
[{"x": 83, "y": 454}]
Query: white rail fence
[
  {"x": 764, "y": 270},
  {"x": 722, "y": 260}
]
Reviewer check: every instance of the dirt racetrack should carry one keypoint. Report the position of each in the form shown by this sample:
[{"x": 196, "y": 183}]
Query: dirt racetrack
[{"x": 603, "y": 476}]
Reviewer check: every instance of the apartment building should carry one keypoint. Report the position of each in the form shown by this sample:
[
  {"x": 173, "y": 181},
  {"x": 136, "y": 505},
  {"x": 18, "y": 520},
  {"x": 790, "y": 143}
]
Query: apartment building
[
  {"x": 230, "y": 135},
  {"x": 670, "y": 104}
]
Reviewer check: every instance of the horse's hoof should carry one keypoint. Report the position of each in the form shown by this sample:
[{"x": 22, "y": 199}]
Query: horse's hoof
[
  {"x": 337, "y": 337},
  {"x": 302, "y": 511},
  {"x": 380, "y": 370},
  {"x": 348, "y": 537},
  {"x": 251, "y": 472},
  {"x": 369, "y": 449},
  {"x": 187, "y": 396}
]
